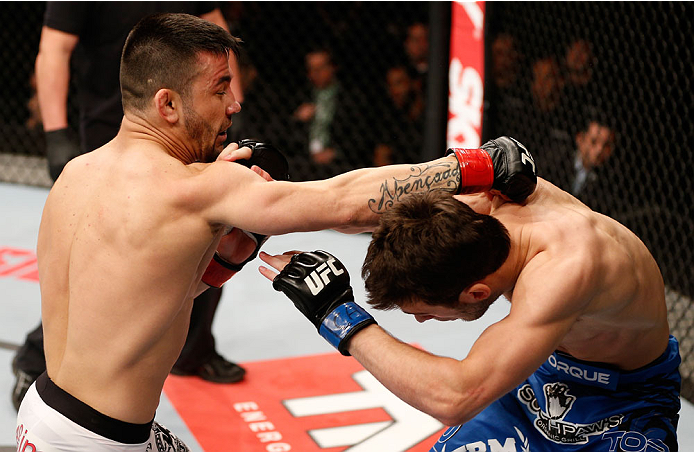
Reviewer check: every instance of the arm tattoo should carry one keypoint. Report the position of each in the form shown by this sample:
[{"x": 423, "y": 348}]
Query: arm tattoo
[{"x": 423, "y": 178}]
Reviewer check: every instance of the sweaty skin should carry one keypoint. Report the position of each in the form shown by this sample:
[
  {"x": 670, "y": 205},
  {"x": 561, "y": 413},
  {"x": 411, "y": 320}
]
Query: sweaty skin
[
  {"x": 128, "y": 230},
  {"x": 578, "y": 282}
]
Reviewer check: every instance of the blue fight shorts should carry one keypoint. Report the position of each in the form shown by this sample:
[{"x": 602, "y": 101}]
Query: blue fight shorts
[{"x": 573, "y": 405}]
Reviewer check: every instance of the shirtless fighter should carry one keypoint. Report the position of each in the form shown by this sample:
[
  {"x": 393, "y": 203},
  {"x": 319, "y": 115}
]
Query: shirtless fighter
[
  {"x": 129, "y": 232},
  {"x": 583, "y": 361}
]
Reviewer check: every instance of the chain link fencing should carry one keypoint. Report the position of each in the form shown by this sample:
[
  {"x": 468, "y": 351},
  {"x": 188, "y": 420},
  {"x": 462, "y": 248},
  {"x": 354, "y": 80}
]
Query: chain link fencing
[
  {"x": 332, "y": 84},
  {"x": 601, "y": 93}
]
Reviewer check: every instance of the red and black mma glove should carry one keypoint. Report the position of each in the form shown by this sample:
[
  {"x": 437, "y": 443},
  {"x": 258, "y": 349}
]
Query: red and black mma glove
[
  {"x": 318, "y": 285},
  {"x": 503, "y": 165},
  {"x": 270, "y": 159}
]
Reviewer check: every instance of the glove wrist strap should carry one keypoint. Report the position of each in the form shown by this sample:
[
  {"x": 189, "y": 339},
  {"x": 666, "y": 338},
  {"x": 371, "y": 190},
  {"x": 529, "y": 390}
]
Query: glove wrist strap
[
  {"x": 342, "y": 323},
  {"x": 219, "y": 271},
  {"x": 476, "y": 170}
]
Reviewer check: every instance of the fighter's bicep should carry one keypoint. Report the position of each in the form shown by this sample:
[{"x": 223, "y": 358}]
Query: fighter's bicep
[
  {"x": 227, "y": 193},
  {"x": 547, "y": 300},
  {"x": 237, "y": 196},
  {"x": 509, "y": 351}
]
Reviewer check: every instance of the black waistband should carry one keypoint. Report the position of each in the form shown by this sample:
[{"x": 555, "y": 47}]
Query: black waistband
[{"x": 86, "y": 416}]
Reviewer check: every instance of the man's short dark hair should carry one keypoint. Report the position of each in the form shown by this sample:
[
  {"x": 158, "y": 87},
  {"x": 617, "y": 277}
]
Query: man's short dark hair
[
  {"x": 161, "y": 52},
  {"x": 429, "y": 248}
]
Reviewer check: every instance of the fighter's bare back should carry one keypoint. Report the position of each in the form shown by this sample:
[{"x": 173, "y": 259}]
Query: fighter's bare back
[
  {"x": 118, "y": 277},
  {"x": 617, "y": 302}
]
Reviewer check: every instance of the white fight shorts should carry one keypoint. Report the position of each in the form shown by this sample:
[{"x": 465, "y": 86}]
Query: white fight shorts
[{"x": 51, "y": 420}]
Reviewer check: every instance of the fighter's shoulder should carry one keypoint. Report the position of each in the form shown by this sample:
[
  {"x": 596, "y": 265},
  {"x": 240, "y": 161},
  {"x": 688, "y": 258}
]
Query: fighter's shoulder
[
  {"x": 559, "y": 232},
  {"x": 559, "y": 270},
  {"x": 563, "y": 264},
  {"x": 219, "y": 174},
  {"x": 567, "y": 234},
  {"x": 210, "y": 183}
]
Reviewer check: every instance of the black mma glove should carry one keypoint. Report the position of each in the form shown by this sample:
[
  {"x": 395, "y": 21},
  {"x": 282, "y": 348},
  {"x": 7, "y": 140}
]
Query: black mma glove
[
  {"x": 61, "y": 147},
  {"x": 266, "y": 156},
  {"x": 270, "y": 159},
  {"x": 503, "y": 164},
  {"x": 318, "y": 284}
]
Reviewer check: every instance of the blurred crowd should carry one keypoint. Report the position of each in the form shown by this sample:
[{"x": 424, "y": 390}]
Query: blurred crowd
[
  {"x": 352, "y": 91},
  {"x": 572, "y": 136},
  {"x": 350, "y": 95}
]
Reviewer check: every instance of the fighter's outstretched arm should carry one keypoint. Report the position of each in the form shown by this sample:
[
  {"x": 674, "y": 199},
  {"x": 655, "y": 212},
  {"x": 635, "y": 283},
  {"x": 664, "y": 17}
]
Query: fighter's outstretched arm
[
  {"x": 235, "y": 196},
  {"x": 353, "y": 201},
  {"x": 450, "y": 390}
]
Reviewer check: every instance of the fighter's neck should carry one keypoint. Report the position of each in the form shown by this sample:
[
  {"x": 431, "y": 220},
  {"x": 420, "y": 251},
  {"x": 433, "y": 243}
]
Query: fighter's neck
[
  {"x": 139, "y": 129},
  {"x": 503, "y": 280}
]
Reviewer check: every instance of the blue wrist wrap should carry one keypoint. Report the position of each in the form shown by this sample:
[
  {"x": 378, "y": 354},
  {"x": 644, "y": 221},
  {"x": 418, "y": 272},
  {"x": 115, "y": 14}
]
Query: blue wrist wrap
[{"x": 342, "y": 322}]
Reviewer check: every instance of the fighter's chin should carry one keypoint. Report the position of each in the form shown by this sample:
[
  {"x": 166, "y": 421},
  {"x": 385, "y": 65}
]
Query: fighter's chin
[
  {"x": 470, "y": 317},
  {"x": 475, "y": 311}
]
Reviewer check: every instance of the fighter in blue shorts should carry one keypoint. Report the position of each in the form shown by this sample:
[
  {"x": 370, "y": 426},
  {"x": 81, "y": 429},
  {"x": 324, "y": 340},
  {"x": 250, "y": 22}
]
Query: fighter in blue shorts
[
  {"x": 583, "y": 361},
  {"x": 581, "y": 406}
]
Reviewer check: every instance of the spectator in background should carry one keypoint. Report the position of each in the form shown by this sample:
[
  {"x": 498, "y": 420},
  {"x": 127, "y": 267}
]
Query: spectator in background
[
  {"x": 416, "y": 48},
  {"x": 401, "y": 129},
  {"x": 320, "y": 111},
  {"x": 403, "y": 93},
  {"x": 509, "y": 97},
  {"x": 594, "y": 145},
  {"x": 595, "y": 138},
  {"x": 579, "y": 63},
  {"x": 579, "y": 165},
  {"x": 547, "y": 110},
  {"x": 505, "y": 62},
  {"x": 94, "y": 33},
  {"x": 547, "y": 85},
  {"x": 581, "y": 89},
  {"x": 577, "y": 140}
]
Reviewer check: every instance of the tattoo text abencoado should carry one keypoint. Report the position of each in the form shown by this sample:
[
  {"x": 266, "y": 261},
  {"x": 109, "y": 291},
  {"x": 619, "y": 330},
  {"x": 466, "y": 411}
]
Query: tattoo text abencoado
[{"x": 425, "y": 177}]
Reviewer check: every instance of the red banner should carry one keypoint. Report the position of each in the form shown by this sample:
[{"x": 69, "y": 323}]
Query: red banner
[{"x": 466, "y": 75}]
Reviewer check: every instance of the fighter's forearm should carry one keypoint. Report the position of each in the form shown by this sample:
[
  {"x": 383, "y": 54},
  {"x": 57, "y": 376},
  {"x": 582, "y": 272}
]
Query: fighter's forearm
[
  {"x": 452, "y": 391},
  {"x": 434, "y": 385},
  {"x": 370, "y": 192},
  {"x": 350, "y": 202}
]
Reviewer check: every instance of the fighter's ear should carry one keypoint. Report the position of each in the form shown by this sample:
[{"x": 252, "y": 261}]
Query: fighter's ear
[
  {"x": 475, "y": 293},
  {"x": 168, "y": 104}
]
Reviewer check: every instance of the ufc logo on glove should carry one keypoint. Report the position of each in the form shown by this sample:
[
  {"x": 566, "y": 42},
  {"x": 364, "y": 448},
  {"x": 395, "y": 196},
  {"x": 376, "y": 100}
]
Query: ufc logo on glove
[
  {"x": 327, "y": 301},
  {"x": 319, "y": 278}
]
